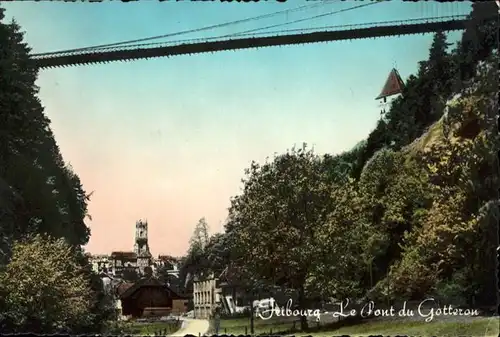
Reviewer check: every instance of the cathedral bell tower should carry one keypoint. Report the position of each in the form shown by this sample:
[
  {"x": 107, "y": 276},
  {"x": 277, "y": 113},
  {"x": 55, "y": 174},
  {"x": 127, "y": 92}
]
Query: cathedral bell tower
[{"x": 141, "y": 247}]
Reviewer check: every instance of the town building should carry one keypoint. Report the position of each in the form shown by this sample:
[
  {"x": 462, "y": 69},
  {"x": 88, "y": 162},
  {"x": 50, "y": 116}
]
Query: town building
[
  {"x": 206, "y": 296},
  {"x": 222, "y": 291},
  {"x": 102, "y": 264},
  {"x": 119, "y": 263},
  {"x": 170, "y": 263},
  {"x": 228, "y": 293}
]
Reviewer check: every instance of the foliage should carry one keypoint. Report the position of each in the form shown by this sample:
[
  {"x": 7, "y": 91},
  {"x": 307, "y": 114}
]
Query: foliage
[
  {"x": 39, "y": 194},
  {"x": 341, "y": 167},
  {"x": 409, "y": 224},
  {"x": 50, "y": 196},
  {"x": 103, "y": 299},
  {"x": 217, "y": 253},
  {"x": 343, "y": 235},
  {"x": 479, "y": 39},
  {"x": 459, "y": 170},
  {"x": 195, "y": 264},
  {"x": 278, "y": 221},
  {"x": 420, "y": 105},
  {"x": 452, "y": 291},
  {"x": 200, "y": 237},
  {"x": 130, "y": 274},
  {"x": 409, "y": 212},
  {"x": 45, "y": 288}
]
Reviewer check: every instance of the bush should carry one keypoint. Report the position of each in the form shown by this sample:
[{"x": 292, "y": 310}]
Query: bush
[
  {"x": 44, "y": 288},
  {"x": 451, "y": 292}
]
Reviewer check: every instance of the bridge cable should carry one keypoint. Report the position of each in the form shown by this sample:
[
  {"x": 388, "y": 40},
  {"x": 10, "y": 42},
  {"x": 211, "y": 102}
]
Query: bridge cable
[
  {"x": 121, "y": 44},
  {"x": 246, "y": 32},
  {"x": 263, "y": 16},
  {"x": 304, "y": 19},
  {"x": 296, "y": 30}
]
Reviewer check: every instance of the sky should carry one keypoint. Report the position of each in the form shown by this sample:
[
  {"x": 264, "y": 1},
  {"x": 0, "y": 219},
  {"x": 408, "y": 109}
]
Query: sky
[{"x": 168, "y": 139}]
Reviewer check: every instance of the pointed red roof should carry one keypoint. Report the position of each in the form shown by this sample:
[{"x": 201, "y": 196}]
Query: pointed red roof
[{"x": 394, "y": 85}]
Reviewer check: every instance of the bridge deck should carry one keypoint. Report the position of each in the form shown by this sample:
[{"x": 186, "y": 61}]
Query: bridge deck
[{"x": 82, "y": 58}]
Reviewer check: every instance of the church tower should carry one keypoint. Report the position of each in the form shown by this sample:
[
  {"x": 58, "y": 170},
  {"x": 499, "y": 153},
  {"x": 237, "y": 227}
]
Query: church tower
[{"x": 141, "y": 247}]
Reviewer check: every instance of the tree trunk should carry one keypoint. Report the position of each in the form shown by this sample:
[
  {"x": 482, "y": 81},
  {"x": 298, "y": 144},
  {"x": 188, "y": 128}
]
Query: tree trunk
[{"x": 302, "y": 306}]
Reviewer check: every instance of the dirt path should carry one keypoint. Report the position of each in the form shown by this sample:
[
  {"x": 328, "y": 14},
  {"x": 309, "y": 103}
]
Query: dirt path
[{"x": 194, "y": 327}]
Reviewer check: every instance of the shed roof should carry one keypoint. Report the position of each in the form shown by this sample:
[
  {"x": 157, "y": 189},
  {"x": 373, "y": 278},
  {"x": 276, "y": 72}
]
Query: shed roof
[
  {"x": 123, "y": 287},
  {"x": 147, "y": 282}
]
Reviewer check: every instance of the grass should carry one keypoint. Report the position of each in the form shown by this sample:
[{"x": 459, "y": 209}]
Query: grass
[
  {"x": 236, "y": 326},
  {"x": 478, "y": 327},
  {"x": 143, "y": 328}
]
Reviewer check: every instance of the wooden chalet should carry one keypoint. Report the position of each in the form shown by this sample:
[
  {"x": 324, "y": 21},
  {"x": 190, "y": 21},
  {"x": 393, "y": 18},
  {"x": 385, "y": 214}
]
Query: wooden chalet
[{"x": 150, "y": 297}]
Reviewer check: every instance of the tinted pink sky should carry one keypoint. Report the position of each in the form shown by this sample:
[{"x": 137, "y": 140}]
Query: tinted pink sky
[{"x": 168, "y": 139}]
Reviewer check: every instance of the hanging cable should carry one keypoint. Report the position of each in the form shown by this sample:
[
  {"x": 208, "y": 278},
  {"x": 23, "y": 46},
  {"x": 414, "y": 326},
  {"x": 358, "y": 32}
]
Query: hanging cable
[
  {"x": 305, "y": 19},
  {"x": 264, "y": 16},
  {"x": 267, "y": 33}
]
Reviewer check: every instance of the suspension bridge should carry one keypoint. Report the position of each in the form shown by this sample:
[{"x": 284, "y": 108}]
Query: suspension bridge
[{"x": 133, "y": 50}]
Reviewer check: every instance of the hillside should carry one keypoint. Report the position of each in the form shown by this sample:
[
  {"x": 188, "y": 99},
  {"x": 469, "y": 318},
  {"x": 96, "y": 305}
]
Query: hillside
[{"x": 437, "y": 200}]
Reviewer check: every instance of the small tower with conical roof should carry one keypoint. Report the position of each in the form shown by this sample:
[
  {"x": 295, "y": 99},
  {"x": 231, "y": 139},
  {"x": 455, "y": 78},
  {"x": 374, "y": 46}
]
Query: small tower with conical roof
[{"x": 393, "y": 86}]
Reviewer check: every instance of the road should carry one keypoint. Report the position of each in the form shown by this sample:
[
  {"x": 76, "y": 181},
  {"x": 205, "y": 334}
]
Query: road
[{"x": 196, "y": 327}]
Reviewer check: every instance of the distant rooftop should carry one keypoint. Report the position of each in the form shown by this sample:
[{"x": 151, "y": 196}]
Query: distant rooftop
[{"x": 124, "y": 255}]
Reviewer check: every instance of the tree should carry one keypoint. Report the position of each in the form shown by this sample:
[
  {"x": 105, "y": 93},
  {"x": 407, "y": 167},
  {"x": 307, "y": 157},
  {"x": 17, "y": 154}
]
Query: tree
[
  {"x": 439, "y": 202},
  {"x": 344, "y": 247},
  {"x": 276, "y": 221},
  {"x": 217, "y": 252},
  {"x": 40, "y": 194},
  {"x": 44, "y": 288},
  {"x": 172, "y": 280},
  {"x": 195, "y": 262},
  {"x": 130, "y": 274},
  {"x": 479, "y": 38},
  {"x": 200, "y": 236},
  {"x": 9, "y": 204},
  {"x": 237, "y": 272},
  {"x": 343, "y": 166},
  {"x": 50, "y": 198},
  {"x": 103, "y": 301},
  {"x": 421, "y": 104}
]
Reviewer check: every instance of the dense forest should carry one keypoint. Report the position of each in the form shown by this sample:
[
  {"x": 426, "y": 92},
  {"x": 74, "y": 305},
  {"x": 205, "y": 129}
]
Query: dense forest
[{"x": 409, "y": 212}]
